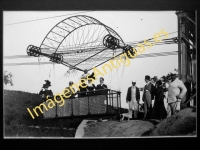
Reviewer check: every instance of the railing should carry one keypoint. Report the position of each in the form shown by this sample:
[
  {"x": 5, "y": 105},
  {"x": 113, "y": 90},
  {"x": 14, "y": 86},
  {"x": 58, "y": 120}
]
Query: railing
[{"x": 108, "y": 103}]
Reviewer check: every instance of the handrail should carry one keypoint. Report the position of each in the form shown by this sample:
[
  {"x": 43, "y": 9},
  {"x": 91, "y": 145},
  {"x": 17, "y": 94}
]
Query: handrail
[
  {"x": 78, "y": 92},
  {"x": 108, "y": 110}
]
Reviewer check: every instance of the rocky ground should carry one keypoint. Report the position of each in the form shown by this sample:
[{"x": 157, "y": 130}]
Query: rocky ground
[{"x": 182, "y": 123}]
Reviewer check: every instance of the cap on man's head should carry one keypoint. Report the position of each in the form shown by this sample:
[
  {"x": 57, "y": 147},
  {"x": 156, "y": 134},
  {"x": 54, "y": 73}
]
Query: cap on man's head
[
  {"x": 101, "y": 78},
  {"x": 134, "y": 81},
  {"x": 147, "y": 77}
]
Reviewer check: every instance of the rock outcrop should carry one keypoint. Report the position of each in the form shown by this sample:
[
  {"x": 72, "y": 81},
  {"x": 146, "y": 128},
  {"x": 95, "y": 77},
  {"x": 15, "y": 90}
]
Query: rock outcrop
[
  {"x": 180, "y": 124},
  {"x": 132, "y": 128}
]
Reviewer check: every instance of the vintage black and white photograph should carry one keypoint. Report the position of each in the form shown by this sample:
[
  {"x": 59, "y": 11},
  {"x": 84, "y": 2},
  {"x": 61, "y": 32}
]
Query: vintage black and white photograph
[{"x": 99, "y": 74}]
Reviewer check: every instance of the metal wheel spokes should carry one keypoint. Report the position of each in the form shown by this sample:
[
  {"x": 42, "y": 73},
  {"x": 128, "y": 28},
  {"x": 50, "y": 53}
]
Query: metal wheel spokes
[{"x": 79, "y": 41}]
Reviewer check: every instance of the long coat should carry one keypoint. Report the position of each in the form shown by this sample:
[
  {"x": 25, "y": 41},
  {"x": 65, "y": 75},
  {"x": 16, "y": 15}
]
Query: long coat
[
  {"x": 159, "y": 111},
  {"x": 128, "y": 96}
]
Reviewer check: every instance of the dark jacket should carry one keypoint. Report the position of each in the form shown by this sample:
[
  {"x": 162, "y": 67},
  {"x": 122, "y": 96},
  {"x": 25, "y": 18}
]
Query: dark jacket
[
  {"x": 47, "y": 92},
  {"x": 128, "y": 96},
  {"x": 82, "y": 90},
  {"x": 91, "y": 88},
  {"x": 101, "y": 92},
  {"x": 69, "y": 92},
  {"x": 159, "y": 95}
]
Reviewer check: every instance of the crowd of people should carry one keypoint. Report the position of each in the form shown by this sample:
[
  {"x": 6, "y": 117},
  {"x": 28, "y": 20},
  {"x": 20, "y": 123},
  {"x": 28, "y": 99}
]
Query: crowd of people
[{"x": 155, "y": 89}]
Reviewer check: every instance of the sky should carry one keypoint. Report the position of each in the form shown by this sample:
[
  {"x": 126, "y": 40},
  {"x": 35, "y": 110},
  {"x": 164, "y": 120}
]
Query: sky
[{"x": 24, "y": 28}]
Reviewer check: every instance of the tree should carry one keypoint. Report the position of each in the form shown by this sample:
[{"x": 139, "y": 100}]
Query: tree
[{"x": 8, "y": 76}]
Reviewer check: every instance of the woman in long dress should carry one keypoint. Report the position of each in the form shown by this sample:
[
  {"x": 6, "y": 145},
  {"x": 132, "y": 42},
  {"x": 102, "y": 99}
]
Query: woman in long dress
[{"x": 159, "y": 111}]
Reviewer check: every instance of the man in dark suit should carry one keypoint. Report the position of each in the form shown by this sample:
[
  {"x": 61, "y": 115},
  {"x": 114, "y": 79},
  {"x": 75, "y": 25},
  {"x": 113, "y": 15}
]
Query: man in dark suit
[
  {"x": 133, "y": 98},
  {"x": 148, "y": 96},
  {"x": 102, "y": 87},
  {"x": 83, "y": 88}
]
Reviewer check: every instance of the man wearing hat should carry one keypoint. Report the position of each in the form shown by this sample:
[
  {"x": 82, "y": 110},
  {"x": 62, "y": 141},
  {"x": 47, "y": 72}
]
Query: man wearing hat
[
  {"x": 133, "y": 98},
  {"x": 91, "y": 87},
  {"x": 82, "y": 88},
  {"x": 69, "y": 91},
  {"x": 148, "y": 96},
  {"x": 176, "y": 90},
  {"x": 45, "y": 91},
  {"x": 102, "y": 86}
]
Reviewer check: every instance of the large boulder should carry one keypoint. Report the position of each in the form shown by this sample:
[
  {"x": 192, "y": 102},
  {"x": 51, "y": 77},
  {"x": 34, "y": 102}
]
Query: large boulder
[
  {"x": 132, "y": 128},
  {"x": 180, "y": 124}
]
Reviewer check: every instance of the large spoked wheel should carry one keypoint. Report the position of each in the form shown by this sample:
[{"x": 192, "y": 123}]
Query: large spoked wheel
[{"x": 80, "y": 41}]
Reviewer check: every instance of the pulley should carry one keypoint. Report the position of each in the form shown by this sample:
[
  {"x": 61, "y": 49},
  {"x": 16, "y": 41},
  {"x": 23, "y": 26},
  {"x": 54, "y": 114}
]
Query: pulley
[
  {"x": 130, "y": 49},
  {"x": 33, "y": 51},
  {"x": 57, "y": 58},
  {"x": 111, "y": 42}
]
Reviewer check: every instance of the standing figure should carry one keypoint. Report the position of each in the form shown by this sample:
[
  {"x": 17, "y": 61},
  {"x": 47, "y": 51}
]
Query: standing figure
[
  {"x": 83, "y": 88},
  {"x": 85, "y": 74},
  {"x": 91, "y": 88},
  {"x": 148, "y": 96},
  {"x": 159, "y": 111},
  {"x": 45, "y": 91},
  {"x": 70, "y": 90},
  {"x": 102, "y": 87},
  {"x": 174, "y": 93},
  {"x": 133, "y": 98}
]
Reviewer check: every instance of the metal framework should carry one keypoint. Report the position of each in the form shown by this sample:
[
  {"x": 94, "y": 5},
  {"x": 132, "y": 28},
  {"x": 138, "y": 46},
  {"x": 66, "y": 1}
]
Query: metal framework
[
  {"x": 82, "y": 38},
  {"x": 87, "y": 41}
]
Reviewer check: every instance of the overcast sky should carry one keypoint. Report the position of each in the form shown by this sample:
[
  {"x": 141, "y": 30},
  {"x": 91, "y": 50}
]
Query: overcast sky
[{"x": 130, "y": 25}]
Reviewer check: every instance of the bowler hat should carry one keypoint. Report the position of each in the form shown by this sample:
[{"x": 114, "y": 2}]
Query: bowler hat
[{"x": 147, "y": 77}]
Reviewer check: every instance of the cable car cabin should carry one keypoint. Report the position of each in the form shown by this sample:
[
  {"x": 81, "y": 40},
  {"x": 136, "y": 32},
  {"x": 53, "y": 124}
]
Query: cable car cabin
[{"x": 87, "y": 105}]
